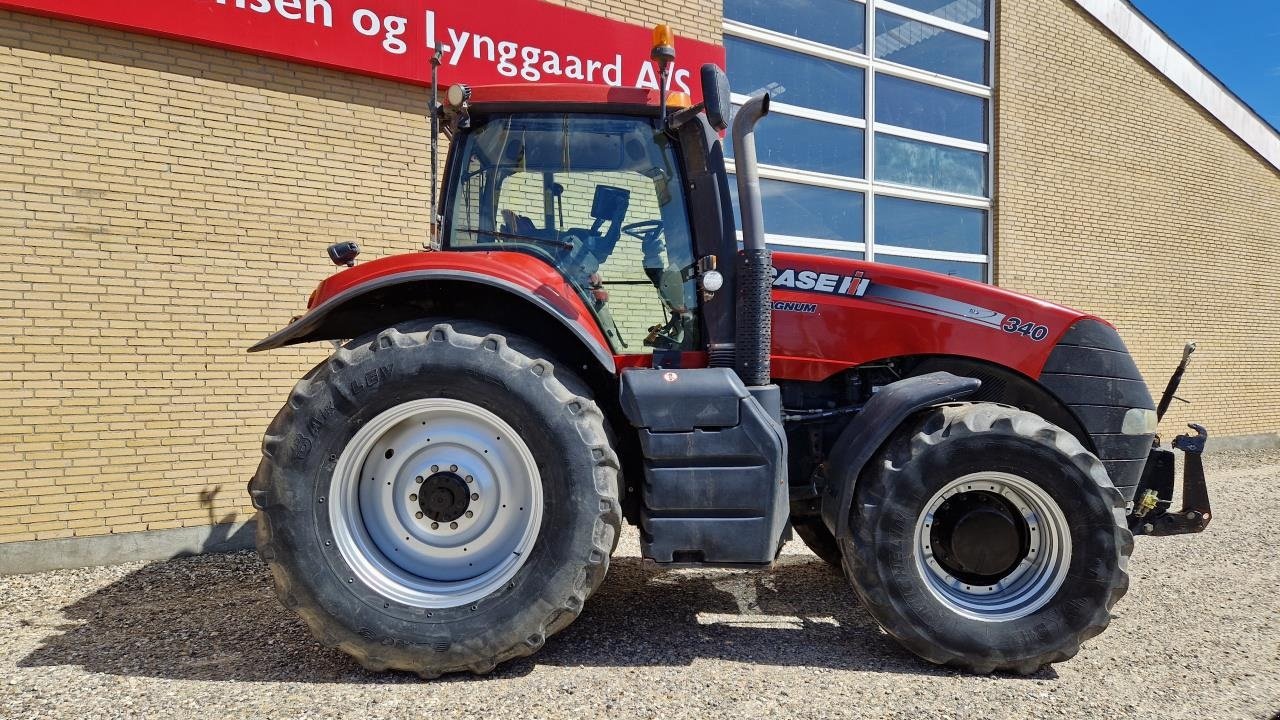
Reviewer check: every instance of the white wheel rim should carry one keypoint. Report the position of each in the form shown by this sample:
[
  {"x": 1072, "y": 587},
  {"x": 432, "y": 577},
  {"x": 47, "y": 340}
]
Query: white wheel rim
[
  {"x": 1039, "y": 572},
  {"x": 404, "y": 547}
]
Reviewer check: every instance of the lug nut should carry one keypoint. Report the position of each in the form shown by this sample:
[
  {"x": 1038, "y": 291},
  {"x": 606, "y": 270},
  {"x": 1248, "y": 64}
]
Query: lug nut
[
  {"x": 413, "y": 498},
  {"x": 418, "y": 479},
  {"x": 470, "y": 514},
  {"x": 475, "y": 496},
  {"x": 435, "y": 526},
  {"x": 435, "y": 468},
  {"x": 418, "y": 515},
  {"x": 453, "y": 468},
  {"x": 470, "y": 479},
  {"x": 453, "y": 526}
]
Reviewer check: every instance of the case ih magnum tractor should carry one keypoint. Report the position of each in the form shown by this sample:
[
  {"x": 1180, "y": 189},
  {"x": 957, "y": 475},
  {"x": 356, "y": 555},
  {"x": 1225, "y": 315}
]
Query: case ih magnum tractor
[{"x": 591, "y": 345}]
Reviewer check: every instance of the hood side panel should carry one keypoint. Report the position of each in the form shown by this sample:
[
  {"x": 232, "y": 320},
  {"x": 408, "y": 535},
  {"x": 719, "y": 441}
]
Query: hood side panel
[{"x": 831, "y": 314}]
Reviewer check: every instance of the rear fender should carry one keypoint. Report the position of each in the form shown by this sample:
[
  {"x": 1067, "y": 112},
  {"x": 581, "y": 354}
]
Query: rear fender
[
  {"x": 883, "y": 414},
  {"x": 390, "y": 299}
]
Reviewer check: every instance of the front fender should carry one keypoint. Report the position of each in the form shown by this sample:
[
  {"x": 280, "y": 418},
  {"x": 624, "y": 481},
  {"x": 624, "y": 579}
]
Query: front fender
[
  {"x": 320, "y": 322},
  {"x": 880, "y": 418}
]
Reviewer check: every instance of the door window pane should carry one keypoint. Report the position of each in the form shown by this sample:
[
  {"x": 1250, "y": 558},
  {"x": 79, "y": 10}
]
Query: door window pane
[
  {"x": 808, "y": 211},
  {"x": 965, "y": 12},
  {"x": 930, "y": 226},
  {"x": 917, "y": 106},
  {"x": 839, "y": 23},
  {"x": 597, "y": 197},
  {"x": 966, "y": 270},
  {"x": 789, "y": 141},
  {"x": 931, "y": 48},
  {"x": 806, "y": 80},
  {"x": 936, "y": 167}
]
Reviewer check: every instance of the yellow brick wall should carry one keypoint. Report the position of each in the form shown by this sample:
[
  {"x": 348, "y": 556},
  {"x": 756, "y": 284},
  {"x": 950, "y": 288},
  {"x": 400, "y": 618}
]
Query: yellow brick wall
[
  {"x": 697, "y": 19},
  {"x": 165, "y": 205},
  {"x": 1118, "y": 195},
  {"x": 170, "y": 205}
]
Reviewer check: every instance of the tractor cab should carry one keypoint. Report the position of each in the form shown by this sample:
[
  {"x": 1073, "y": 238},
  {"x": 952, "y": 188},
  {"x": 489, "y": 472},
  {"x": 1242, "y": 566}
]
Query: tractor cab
[
  {"x": 598, "y": 196},
  {"x": 598, "y": 186}
]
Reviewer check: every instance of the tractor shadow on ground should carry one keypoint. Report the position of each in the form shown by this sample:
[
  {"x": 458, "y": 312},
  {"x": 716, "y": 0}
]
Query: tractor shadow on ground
[{"x": 216, "y": 618}]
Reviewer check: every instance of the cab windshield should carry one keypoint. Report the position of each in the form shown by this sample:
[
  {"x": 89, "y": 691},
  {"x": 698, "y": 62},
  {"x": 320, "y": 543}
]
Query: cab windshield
[{"x": 600, "y": 198}]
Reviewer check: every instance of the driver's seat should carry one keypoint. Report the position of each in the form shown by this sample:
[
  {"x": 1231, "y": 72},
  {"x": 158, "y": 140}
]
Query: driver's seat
[{"x": 514, "y": 223}]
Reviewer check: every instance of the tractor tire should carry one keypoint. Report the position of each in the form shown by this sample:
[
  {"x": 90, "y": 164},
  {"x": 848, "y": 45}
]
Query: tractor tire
[
  {"x": 818, "y": 539},
  {"x": 985, "y": 538},
  {"x": 444, "y": 556}
]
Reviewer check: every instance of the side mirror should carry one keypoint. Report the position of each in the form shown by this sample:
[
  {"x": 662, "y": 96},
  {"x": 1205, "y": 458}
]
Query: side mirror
[
  {"x": 344, "y": 253},
  {"x": 715, "y": 96}
]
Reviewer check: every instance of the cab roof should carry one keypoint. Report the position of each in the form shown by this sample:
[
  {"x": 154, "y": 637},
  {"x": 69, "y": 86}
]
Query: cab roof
[{"x": 549, "y": 95}]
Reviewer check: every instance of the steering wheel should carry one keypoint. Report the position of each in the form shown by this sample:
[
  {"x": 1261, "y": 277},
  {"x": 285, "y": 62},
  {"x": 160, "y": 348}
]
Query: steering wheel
[{"x": 644, "y": 230}]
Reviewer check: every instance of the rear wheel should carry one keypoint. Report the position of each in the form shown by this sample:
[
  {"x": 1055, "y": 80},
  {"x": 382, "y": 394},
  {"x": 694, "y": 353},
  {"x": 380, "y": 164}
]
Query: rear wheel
[
  {"x": 986, "y": 538},
  {"x": 435, "y": 500}
]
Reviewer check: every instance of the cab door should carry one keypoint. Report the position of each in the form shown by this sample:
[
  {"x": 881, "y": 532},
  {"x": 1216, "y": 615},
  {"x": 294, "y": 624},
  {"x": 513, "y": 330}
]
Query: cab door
[{"x": 601, "y": 198}]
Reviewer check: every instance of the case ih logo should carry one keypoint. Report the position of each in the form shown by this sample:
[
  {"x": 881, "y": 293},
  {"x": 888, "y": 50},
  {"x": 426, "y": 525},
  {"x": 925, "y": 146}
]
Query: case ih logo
[{"x": 854, "y": 285}]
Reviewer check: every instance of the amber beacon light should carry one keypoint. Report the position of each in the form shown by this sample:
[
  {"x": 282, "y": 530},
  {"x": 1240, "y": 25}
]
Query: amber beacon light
[
  {"x": 663, "y": 53},
  {"x": 664, "y": 45}
]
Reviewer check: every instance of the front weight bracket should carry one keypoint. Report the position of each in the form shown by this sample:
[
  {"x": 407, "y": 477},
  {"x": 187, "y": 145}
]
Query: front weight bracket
[{"x": 1157, "y": 518}]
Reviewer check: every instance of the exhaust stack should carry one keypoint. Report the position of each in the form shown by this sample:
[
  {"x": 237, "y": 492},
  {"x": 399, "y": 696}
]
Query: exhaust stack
[{"x": 755, "y": 262}]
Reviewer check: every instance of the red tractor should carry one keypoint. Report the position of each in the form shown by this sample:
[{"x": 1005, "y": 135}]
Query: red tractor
[{"x": 591, "y": 344}]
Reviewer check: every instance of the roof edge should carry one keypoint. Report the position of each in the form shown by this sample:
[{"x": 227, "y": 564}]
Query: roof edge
[{"x": 1142, "y": 35}]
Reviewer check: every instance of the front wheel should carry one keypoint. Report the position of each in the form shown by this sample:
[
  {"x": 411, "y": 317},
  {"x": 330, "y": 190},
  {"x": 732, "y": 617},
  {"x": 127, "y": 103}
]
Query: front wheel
[
  {"x": 435, "y": 500},
  {"x": 815, "y": 535},
  {"x": 986, "y": 538}
]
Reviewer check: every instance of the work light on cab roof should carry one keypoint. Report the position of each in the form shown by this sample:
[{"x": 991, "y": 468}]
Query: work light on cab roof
[{"x": 458, "y": 95}]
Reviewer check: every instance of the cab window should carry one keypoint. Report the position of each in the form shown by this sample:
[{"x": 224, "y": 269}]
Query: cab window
[{"x": 598, "y": 197}]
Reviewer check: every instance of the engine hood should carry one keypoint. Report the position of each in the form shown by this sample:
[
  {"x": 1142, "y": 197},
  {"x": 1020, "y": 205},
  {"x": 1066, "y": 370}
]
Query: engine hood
[{"x": 831, "y": 313}]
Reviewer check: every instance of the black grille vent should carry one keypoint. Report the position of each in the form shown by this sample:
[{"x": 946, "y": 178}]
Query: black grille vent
[{"x": 1091, "y": 371}]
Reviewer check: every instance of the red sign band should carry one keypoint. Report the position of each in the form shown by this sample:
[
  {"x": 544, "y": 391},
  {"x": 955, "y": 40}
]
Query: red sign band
[{"x": 521, "y": 41}]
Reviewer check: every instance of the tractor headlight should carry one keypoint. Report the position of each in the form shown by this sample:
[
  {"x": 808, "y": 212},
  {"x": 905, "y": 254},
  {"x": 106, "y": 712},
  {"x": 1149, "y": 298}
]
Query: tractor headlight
[{"x": 1139, "y": 421}]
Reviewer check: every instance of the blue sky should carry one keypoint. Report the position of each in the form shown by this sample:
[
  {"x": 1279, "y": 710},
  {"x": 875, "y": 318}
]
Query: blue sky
[{"x": 1237, "y": 40}]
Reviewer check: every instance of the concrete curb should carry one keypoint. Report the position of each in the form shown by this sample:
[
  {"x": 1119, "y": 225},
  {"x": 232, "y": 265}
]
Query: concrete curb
[
  {"x": 39, "y": 555},
  {"x": 1261, "y": 441}
]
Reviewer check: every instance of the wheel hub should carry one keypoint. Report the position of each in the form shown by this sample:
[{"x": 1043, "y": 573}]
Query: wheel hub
[
  {"x": 978, "y": 537},
  {"x": 444, "y": 497},
  {"x": 435, "y": 502},
  {"x": 992, "y": 546}
]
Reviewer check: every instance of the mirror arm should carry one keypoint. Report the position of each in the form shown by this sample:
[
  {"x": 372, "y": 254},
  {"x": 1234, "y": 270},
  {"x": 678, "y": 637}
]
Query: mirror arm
[{"x": 682, "y": 117}]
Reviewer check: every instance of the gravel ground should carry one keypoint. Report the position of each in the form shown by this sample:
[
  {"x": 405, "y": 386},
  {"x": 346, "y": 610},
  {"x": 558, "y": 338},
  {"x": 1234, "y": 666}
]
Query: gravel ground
[{"x": 1198, "y": 636}]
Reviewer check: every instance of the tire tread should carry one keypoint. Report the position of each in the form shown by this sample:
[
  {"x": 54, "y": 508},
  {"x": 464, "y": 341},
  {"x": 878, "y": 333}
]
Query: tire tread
[
  {"x": 950, "y": 422},
  {"x": 268, "y": 495}
]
